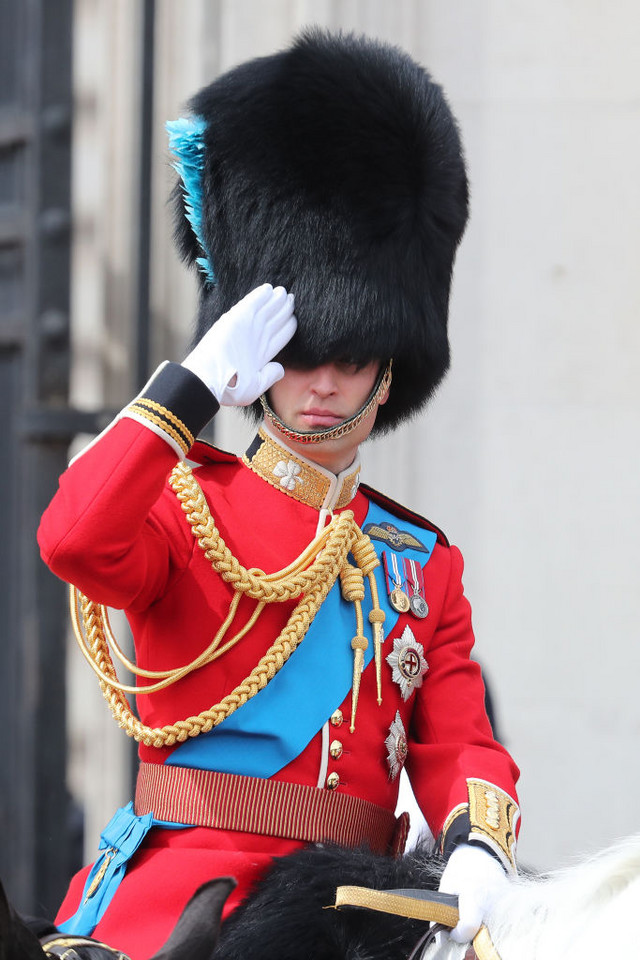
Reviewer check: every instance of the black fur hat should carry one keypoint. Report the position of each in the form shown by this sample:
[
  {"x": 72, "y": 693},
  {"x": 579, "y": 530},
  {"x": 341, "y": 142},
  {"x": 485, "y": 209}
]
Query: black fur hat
[{"x": 335, "y": 169}]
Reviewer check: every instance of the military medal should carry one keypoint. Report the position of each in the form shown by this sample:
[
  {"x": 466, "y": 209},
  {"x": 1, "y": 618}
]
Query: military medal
[
  {"x": 407, "y": 662},
  {"x": 415, "y": 582},
  {"x": 395, "y": 581},
  {"x": 399, "y": 600}
]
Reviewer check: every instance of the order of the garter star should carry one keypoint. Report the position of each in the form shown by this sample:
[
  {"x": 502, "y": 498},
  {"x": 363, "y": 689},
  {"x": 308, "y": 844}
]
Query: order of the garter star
[{"x": 407, "y": 663}]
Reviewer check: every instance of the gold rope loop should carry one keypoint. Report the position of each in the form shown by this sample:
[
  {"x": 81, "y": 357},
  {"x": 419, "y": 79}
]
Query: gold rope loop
[
  {"x": 352, "y": 583},
  {"x": 365, "y": 555},
  {"x": 310, "y": 577}
]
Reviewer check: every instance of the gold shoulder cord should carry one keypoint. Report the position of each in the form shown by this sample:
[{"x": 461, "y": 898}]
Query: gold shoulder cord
[{"x": 310, "y": 577}]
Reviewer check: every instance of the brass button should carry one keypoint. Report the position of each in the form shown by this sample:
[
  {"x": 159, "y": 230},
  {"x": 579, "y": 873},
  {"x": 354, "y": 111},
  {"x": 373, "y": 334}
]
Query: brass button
[
  {"x": 335, "y": 749},
  {"x": 333, "y": 780},
  {"x": 336, "y": 718}
]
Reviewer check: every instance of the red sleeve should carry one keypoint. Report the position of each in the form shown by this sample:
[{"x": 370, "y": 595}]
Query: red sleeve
[
  {"x": 451, "y": 741},
  {"x": 113, "y": 528},
  {"x": 106, "y": 530}
]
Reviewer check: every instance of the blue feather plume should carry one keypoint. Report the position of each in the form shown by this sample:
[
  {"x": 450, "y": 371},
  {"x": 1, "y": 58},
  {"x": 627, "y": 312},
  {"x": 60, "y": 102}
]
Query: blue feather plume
[{"x": 187, "y": 145}]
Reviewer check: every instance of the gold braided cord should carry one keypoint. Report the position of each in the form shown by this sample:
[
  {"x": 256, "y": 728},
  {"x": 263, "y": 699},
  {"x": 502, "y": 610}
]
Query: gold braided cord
[
  {"x": 317, "y": 561},
  {"x": 366, "y": 558},
  {"x": 309, "y": 577},
  {"x": 352, "y": 584},
  {"x": 158, "y": 421},
  {"x": 212, "y": 652},
  {"x": 167, "y": 414}
]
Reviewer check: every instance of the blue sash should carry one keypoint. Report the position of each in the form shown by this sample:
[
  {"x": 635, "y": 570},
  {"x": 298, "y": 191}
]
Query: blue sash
[{"x": 253, "y": 741}]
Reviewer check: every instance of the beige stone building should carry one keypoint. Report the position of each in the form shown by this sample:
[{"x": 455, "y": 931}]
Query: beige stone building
[{"x": 529, "y": 457}]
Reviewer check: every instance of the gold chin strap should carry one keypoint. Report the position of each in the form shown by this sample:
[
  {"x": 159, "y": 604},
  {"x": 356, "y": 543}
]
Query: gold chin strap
[
  {"x": 309, "y": 577},
  {"x": 340, "y": 430}
]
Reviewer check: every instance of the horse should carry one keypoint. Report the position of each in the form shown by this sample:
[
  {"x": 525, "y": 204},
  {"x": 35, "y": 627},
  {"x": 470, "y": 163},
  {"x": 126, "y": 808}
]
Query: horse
[
  {"x": 581, "y": 912},
  {"x": 194, "y": 936}
]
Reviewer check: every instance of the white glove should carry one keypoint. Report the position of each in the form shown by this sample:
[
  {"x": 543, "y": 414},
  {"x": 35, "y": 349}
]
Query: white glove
[
  {"x": 479, "y": 881},
  {"x": 233, "y": 358}
]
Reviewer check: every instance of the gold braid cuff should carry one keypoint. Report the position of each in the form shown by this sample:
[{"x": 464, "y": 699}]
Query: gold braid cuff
[
  {"x": 490, "y": 818},
  {"x": 165, "y": 419},
  {"x": 309, "y": 577},
  {"x": 333, "y": 433},
  {"x": 493, "y": 815}
]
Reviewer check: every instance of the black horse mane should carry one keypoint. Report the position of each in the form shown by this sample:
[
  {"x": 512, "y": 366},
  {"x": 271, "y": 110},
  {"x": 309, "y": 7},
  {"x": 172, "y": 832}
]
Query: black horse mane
[{"x": 289, "y": 915}]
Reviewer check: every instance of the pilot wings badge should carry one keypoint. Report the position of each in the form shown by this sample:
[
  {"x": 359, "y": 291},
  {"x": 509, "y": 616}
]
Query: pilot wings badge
[{"x": 394, "y": 537}]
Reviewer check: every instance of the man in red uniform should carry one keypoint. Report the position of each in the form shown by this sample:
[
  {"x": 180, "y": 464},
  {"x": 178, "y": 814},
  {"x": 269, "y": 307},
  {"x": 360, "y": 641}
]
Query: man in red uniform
[{"x": 299, "y": 637}]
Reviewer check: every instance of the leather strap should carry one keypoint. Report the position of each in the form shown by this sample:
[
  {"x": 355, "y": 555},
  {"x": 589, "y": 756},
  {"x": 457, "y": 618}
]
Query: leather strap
[
  {"x": 430, "y": 906},
  {"x": 225, "y": 801},
  {"x": 433, "y": 907}
]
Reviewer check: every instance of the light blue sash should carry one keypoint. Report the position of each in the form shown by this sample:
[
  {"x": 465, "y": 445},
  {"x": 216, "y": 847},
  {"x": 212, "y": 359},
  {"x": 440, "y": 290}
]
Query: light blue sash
[
  {"x": 275, "y": 725},
  {"x": 267, "y": 732}
]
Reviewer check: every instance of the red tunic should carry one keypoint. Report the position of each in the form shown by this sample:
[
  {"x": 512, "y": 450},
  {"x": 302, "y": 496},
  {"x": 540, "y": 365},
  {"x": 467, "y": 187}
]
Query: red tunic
[{"x": 117, "y": 531}]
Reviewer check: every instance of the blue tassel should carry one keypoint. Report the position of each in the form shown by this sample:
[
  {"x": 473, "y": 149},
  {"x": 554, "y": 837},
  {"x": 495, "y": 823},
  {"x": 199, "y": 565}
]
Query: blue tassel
[{"x": 187, "y": 145}]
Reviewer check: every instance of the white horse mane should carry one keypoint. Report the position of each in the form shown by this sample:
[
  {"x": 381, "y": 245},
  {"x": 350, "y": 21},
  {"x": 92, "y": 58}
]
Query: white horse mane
[{"x": 582, "y": 912}]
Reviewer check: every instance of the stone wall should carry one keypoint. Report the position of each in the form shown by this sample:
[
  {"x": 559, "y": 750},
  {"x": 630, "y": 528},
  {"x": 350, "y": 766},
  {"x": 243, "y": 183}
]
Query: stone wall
[{"x": 529, "y": 456}]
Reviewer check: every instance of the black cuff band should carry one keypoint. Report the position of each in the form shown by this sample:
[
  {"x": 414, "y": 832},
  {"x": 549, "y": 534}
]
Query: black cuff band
[{"x": 177, "y": 402}]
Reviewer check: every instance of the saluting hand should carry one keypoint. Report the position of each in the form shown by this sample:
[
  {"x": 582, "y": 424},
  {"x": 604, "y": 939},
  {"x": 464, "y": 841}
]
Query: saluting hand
[{"x": 235, "y": 357}]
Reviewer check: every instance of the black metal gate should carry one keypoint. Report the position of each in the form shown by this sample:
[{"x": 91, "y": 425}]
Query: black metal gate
[
  {"x": 37, "y": 849},
  {"x": 38, "y": 836},
  {"x": 35, "y": 131}
]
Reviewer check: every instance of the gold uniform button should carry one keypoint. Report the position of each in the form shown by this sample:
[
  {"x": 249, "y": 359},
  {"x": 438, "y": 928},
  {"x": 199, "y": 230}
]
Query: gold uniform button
[
  {"x": 336, "y": 718},
  {"x": 333, "y": 780},
  {"x": 335, "y": 749}
]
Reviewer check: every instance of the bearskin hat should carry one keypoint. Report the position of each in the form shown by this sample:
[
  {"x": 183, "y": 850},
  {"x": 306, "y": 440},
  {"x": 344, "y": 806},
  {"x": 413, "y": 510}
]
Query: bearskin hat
[{"x": 335, "y": 169}]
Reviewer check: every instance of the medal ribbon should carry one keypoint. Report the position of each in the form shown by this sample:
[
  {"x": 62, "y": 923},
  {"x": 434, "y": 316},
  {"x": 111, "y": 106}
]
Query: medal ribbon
[
  {"x": 415, "y": 579},
  {"x": 395, "y": 579}
]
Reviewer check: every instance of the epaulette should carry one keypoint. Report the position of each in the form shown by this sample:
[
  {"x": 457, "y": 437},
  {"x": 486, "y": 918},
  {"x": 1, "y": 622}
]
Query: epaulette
[{"x": 403, "y": 512}]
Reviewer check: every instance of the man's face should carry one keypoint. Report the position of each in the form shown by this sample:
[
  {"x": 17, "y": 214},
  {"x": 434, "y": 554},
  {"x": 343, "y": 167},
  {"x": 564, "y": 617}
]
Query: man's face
[{"x": 325, "y": 396}]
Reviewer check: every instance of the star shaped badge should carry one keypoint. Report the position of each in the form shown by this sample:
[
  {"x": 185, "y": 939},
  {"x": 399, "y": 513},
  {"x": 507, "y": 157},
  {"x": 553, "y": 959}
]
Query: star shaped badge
[
  {"x": 396, "y": 744},
  {"x": 407, "y": 663}
]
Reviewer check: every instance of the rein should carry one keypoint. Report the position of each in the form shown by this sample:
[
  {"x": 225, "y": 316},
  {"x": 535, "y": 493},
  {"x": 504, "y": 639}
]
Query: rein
[{"x": 434, "y": 907}]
